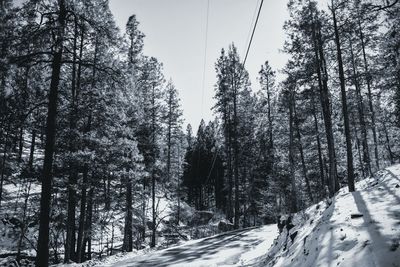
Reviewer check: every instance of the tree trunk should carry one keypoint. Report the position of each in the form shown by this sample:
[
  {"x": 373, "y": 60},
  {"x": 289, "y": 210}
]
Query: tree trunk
[
  {"x": 271, "y": 153},
  {"x": 320, "y": 160},
  {"x": 236, "y": 158},
  {"x": 144, "y": 210},
  {"x": 358, "y": 149},
  {"x": 128, "y": 233},
  {"x": 169, "y": 138},
  {"x": 42, "y": 257},
  {"x": 153, "y": 208},
  {"x": 391, "y": 156},
  {"x": 360, "y": 107},
  {"x": 229, "y": 168},
  {"x": 153, "y": 174},
  {"x": 82, "y": 217},
  {"x": 350, "y": 170},
  {"x": 320, "y": 65},
  {"x": 3, "y": 164},
  {"x": 300, "y": 147},
  {"x": 72, "y": 178},
  {"x": 88, "y": 224},
  {"x": 20, "y": 142},
  {"x": 370, "y": 101},
  {"x": 32, "y": 150},
  {"x": 178, "y": 189},
  {"x": 293, "y": 199},
  {"x": 24, "y": 223}
]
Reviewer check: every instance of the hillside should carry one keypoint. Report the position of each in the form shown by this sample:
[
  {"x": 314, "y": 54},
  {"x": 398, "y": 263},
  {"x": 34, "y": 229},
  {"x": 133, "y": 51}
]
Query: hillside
[{"x": 354, "y": 229}]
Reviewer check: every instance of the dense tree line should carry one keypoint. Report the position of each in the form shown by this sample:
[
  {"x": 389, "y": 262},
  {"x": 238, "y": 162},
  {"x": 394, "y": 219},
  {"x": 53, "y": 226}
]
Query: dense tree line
[
  {"x": 77, "y": 92},
  {"x": 332, "y": 121}
]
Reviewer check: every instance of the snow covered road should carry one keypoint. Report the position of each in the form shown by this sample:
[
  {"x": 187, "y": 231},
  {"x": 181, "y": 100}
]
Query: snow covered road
[{"x": 236, "y": 248}]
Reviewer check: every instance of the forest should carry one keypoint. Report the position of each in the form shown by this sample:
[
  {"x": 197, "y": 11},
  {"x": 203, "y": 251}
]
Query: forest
[{"x": 96, "y": 158}]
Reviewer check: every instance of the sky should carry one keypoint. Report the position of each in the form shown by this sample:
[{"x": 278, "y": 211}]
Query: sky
[{"x": 176, "y": 31}]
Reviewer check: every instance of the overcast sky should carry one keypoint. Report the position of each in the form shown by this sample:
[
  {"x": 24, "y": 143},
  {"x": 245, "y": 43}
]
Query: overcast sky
[{"x": 175, "y": 34}]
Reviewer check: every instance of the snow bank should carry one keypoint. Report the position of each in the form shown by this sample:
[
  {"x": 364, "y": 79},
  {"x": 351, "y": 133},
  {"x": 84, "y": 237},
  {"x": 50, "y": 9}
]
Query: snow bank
[{"x": 361, "y": 228}]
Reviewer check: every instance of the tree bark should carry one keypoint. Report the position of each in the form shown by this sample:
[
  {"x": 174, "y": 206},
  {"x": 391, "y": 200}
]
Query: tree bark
[
  {"x": 350, "y": 169},
  {"x": 322, "y": 75},
  {"x": 358, "y": 149},
  {"x": 42, "y": 258},
  {"x": 320, "y": 160},
  {"x": 72, "y": 179},
  {"x": 82, "y": 216},
  {"x": 153, "y": 174},
  {"x": 300, "y": 147},
  {"x": 128, "y": 233},
  {"x": 32, "y": 150},
  {"x": 169, "y": 137},
  {"x": 3, "y": 163},
  {"x": 391, "y": 156},
  {"x": 236, "y": 158},
  {"x": 88, "y": 223},
  {"x": 360, "y": 107},
  {"x": 293, "y": 198},
  {"x": 370, "y": 100}
]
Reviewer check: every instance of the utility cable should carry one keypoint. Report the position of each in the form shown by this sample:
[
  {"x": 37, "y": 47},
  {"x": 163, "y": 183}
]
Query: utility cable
[
  {"x": 205, "y": 58},
  {"x": 252, "y": 34}
]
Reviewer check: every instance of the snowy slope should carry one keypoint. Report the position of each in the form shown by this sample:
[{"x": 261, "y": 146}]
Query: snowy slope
[{"x": 357, "y": 229}]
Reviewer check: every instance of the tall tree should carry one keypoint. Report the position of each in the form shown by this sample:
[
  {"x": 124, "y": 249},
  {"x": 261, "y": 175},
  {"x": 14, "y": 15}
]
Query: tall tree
[
  {"x": 42, "y": 258},
  {"x": 350, "y": 167}
]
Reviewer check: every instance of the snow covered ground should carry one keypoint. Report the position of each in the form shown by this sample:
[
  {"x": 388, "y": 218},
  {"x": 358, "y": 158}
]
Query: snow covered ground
[
  {"x": 353, "y": 229},
  {"x": 357, "y": 229},
  {"x": 235, "y": 248}
]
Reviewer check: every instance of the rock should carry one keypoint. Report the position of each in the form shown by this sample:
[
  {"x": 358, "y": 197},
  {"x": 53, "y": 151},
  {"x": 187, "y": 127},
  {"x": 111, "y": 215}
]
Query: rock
[
  {"x": 356, "y": 215},
  {"x": 201, "y": 218},
  {"x": 397, "y": 186},
  {"x": 285, "y": 221},
  {"x": 289, "y": 224},
  {"x": 225, "y": 226},
  {"x": 281, "y": 224},
  {"x": 395, "y": 244},
  {"x": 293, "y": 236}
]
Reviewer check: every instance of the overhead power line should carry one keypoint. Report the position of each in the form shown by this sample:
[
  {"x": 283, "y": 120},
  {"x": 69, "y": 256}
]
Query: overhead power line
[
  {"x": 252, "y": 34},
  {"x": 205, "y": 58},
  {"x": 253, "y": 19}
]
